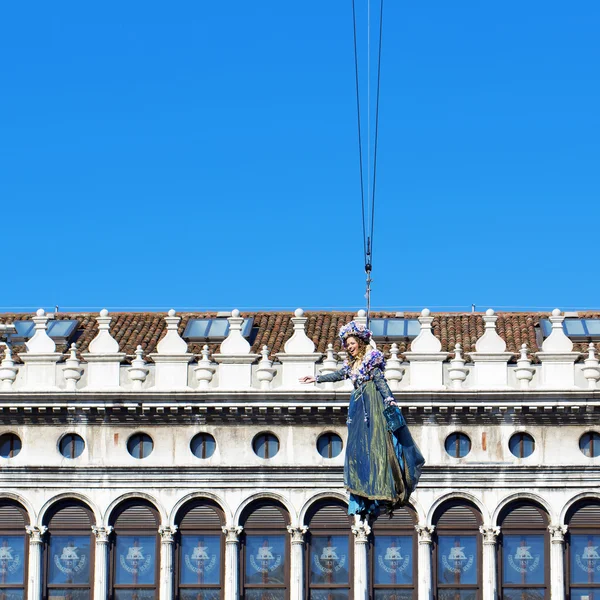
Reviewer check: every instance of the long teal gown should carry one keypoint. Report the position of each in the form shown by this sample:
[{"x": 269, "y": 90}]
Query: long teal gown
[{"x": 382, "y": 468}]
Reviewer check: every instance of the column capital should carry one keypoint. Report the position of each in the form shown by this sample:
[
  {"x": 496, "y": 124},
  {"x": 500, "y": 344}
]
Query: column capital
[
  {"x": 102, "y": 533},
  {"x": 489, "y": 534},
  {"x": 297, "y": 533},
  {"x": 232, "y": 533},
  {"x": 557, "y": 533},
  {"x": 167, "y": 534},
  {"x": 35, "y": 533},
  {"x": 361, "y": 530},
  {"x": 425, "y": 532}
]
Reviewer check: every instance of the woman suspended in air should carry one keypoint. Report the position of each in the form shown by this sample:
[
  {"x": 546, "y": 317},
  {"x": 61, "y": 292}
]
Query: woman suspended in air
[{"x": 383, "y": 464}]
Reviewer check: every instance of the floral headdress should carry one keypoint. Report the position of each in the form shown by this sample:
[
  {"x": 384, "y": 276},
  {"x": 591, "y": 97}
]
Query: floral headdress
[{"x": 354, "y": 329}]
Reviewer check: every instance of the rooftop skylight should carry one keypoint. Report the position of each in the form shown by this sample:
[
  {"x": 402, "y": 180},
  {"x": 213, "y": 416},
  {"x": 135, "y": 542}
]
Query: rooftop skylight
[
  {"x": 59, "y": 330},
  {"x": 394, "y": 328},
  {"x": 575, "y": 328},
  {"x": 201, "y": 330}
]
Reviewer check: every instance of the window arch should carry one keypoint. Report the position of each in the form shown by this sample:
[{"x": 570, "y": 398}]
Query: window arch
[
  {"x": 265, "y": 552},
  {"x": 457, "y": 551},
  {"x": 199, "y": 572},
  {"x": 394, "y": 557},
  {"x": 69, "y": 552},
  {"x": 583, "y": 543},
  {"x": 523, "y": 552},
  {"x": 14, "y": 553},
  {"x": 329, "y": 552},
  {"x": 134, "y": 556}
]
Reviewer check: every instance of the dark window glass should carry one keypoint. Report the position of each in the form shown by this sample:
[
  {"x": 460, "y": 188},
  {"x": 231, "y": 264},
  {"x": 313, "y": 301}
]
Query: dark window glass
[
  {"x": 12, "y": 562},
  {"x": 394, "y": 562},
  {"x": 201, "y": 564},
  {"x": 135, "y": 562},
  {"x": 68, "y": 593},
  {"x": 457, "y": 560},
  {"x": 71, "y": 445},
  {"x": 589, "y": 444},
  {"x": 140, "y": 445},
  {"x": 265, "y": 445},
  {"x": 329, "y": 445},
  {"x": 458, "y": 445},
  {"x": 265, "y": 559},
  {"x": 585, "y": 562},
  {"x": 521, "y": 445},
  {"x": 10, "y": 445},
  {"x": 523, "y": 560},
  {"x": 70, "y": 561},
  {"x": 203, "y": 445},
  {"x": 329, "y": 561}
]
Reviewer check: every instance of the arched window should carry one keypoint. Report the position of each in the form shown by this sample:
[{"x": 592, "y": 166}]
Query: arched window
[
  {"x": 457, "y": 563},
  {"x": 523, "y": 552},
  {"x": 69, "y": 552},
  {"x": 13, "y": 551},
  {"x": 200, "y": 552},
  {"x": 134, "y": 552},
  {"x": 265, "y": 552},
  {"x": 329, "y": 553},
  {"x": 583, "y": 545},
  {"x": 394, "y": 557}
]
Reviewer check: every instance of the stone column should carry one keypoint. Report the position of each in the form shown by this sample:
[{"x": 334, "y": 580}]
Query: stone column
[
  {"x": 36, "y": 541},
  {"x": 167, "y": 541},
  {"x": 488, "y": 564},
  {"x": 557, "y": 562},
  {"x": 297, "y": 562},
  {"x": 101, "y": 562},
  {"x": 424, "y": 561},
  {"x": 232, "y": 567},
  {"x": 361, "y": 531}
]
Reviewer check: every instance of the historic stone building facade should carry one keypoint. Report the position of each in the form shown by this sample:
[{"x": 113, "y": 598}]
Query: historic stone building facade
[{"x": 178, "y": 457}]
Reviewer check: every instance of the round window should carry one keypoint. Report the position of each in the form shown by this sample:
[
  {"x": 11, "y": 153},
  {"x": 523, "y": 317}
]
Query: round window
[
  {"x": 203, "y": 445},
  {"x": 140, "y": 445},
  {"x": 10, "y": 445},
  {"x": 589, "y": 444},
  {"x": 71, "y": 445},
  {"x": 521, "y": 445},
  {"x": 265, "y": 445},
  {"x": 329, "y": 445},
  {"x": 458, "y": 445}
]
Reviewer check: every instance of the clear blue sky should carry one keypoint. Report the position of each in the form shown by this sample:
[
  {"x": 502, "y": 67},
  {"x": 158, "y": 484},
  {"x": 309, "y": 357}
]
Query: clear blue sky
[{"x": 204, "y": 154}]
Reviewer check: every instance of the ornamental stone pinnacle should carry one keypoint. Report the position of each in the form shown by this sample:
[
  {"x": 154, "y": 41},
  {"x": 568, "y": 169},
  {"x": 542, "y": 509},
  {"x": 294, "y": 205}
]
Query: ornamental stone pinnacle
[
  {"x": 265, "y": 371},
  {"x": 426, "y": 342},
  {"x": 41, "y": 342},
  {"x": 138, "y": 370},
  {"x": 557, "y": 341},
  {"x": 172, "y": 343},
  {"x": 490, "y": 342},
  {"x": 103, "y": 343},
  {"x": 205, "y": 370},
  {"x": 299, "y": 343},
  {"x": 235, "y": 343},
  {"x": 72, "y": 370},
  {"x": 8, "y": 371},
  {"x": 393, "y": 368}
]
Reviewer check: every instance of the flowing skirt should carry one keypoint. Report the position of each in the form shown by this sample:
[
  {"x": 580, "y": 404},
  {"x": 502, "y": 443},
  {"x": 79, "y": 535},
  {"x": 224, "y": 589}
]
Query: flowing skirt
[{"x": 382, "y": 468}]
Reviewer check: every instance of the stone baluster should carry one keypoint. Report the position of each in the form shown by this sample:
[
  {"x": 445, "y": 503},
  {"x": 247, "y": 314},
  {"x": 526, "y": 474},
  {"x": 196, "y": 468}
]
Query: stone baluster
[
  {"x": 425, "y": 357},
  {"x": 103, "y": 357},
  {"x": 205, "y": 370},
  {"x": 394, "y": 371},
  {"x": 36, "y": 543},
  {"x": 167, "y": 543},
  {"x": 524, "y": 372},
  {"x": 488, "y": 564},
  {"x": 138, "y": 371},
  {"x": 361, "y": 531},
  {"x": 101, "y": 562},
  {"x": 591, "y": 368},
  {"x": 41, "y": 356},
  {"x": 8, "y": 371},
  {"x": 265, "y": 371},
  {"x": 457, "y": 370},
  {"x": 298, "y": 357},
  {"x": 72, "y": 370},
  {"x": 297, "y": 562},
  {"x": 232, "y": 547},
  {"x": 329, "y": 366},
  {"x": 557, "y": 357},
  {"x": 171, "y": 358},
  {"x": 425, "y": 574},
  {"x": 490, "y": 359},
  {"x": 557, "y": 563},
  {"x": 234, "y": 358}
]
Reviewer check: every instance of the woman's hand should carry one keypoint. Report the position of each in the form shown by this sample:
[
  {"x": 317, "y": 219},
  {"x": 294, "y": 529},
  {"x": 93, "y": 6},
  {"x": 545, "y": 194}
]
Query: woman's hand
[{"x": 307, "y": 379}]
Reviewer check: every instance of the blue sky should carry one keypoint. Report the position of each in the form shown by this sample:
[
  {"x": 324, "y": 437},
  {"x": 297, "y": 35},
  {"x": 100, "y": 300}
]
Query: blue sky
[{"x": 204, "y": 154}]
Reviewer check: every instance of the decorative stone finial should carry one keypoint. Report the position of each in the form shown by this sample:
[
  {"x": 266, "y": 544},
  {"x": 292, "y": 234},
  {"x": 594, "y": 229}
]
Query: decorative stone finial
[
  {"x": 456, "y": 369},
  {"x": 103, "y": 343},
  {"x": 72, "y": 370},
  {"x": 235, "y": 343},
  {"x": 524, "y": 371},
  {"x": 329, "y": 365},
  {"x": 138, "y": 370},
  {"x": 205, "y": 370},
  {"x": 41, "y": 342},
  {"x": 393, "y": 368},
  {"x": 361, "y": 317},
  {"x": 557, "y": 342},
  {"x": 265, "y": 372},
  {"x": 172, "y": 343},
  {"x": 591, "y": 368},
  {"x": 490, "y": 342},
  {"x": 299, "y": 343},
  {"x": 8, "y": 371},
  {"x": 426, "y": 342}
]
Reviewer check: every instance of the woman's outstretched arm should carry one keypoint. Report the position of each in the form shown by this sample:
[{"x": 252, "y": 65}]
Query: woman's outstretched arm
[
  {"x": 335, "y": 376},
  {"x": 383, "y": 388}
]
